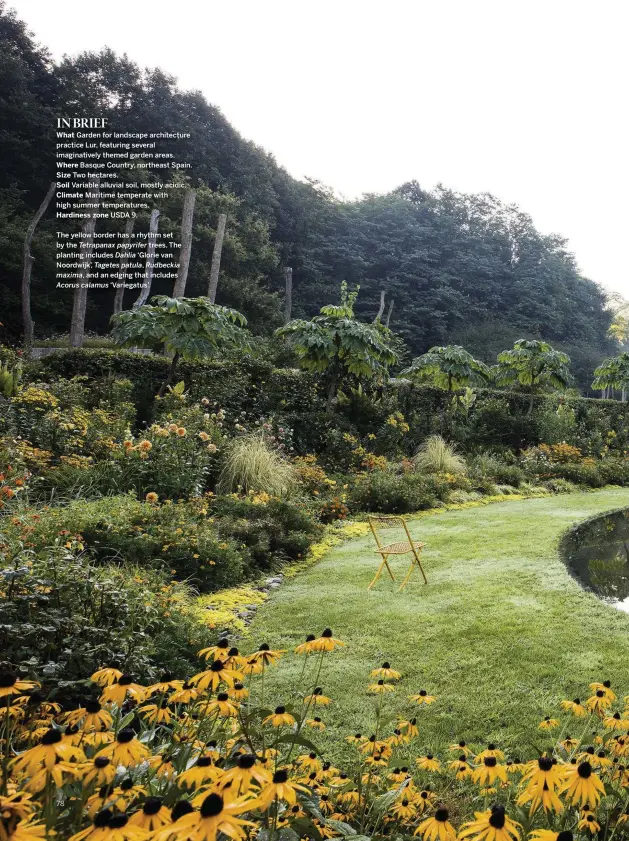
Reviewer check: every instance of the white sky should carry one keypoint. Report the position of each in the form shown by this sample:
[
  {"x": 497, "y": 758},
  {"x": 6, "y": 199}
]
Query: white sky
[{"x": 526, "y": 99}]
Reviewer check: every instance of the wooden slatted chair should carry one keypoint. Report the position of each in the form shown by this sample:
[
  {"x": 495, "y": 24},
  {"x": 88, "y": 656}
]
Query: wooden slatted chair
[{"x": 400, "y": 547}]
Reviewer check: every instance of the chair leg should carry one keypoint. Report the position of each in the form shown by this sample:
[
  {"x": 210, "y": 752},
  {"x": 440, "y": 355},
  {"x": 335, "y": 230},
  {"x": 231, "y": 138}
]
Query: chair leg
[
  {"x": 410, "y": 571},
  {"x": 419, "y": 564},
  {"x": 384, "y": 564}
]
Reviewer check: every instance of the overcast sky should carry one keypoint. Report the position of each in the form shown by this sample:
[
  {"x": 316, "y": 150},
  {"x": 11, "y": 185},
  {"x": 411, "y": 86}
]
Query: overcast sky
[{"x": 520, "y": 98}]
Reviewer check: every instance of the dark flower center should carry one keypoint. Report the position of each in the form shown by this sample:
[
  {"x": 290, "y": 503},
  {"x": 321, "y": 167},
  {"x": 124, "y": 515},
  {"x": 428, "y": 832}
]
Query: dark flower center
[
  {"x": 102, "y": 818},
  {"x": 217, "y": 666},
  {"x": 118, "y": 821},
  {"x": 101, "y": 762},
  {"x": 584, "y": 770},
  {"x": 264, "y": 647},
  {"x": 565, "y": 835},
  {"x": 7, "y": 679},
  {"x": 204, "y": 761},
  {"x": 327, "y": 633},
  {"x": 280, "y": 776},
  {"x": 92, "y": 707},
  {"x": 545, "y": 763},
  {"x": 52, "y": 737},
  {"x": 490, "y": 761},
  {"x": 599, "y": 693},
  {"x": 441, "y": 815},
  {"x": 224, "y": 643},
  {"x": 233, "y": 652},
  {"x": 152, "y": 805},
  {"x": 280, "y": 710},
  {"x": 212, "y": 806},
  {"x": 166, "y": 677},
  {"x": 312, "y": 755},
  {"x": 181, "y": 808},
  {"x": 222, "y": 696},
  {"x": 310, "y": 638},
  {"x": 126, "y": 784},
  {"x": 386, "y": 665},
  {"x": 247, "y": 760},
  {"x": 126, "y": 735},
  {"x": 125, "y": 680},
  {"x": 497, "y": 819}
]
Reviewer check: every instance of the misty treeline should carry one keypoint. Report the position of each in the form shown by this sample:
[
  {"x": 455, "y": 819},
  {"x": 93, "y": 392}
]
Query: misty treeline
[{"x": 454, "y": 268}]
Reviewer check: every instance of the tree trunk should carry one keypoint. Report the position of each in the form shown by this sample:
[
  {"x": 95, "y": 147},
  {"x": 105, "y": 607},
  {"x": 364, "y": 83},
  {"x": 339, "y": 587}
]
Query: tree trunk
[
  {"x": 77, "y": 326},
  {"x": 381, "y": 308},
  {"x": 388, "y": 321},
  {"x": 186, "y": 243},
  {"x": 288, "y": 297},
  {"x": 170, "y": 377},
  {"x": 150, "y": 261},
  {"x": 331, "y": 395},
  {"x": 216, "y": 257},
  {"x": 124, "y": 264},
  {"x": 27, "y": 319}
]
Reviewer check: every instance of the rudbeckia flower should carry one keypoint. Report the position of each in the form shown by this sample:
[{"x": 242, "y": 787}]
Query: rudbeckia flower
[
  {"x": 106, "y": 676},
  {"x": 246, "y": 771},
  {"x": 91, "y": 717},
  {"x": 309, "y": 761},
  {"x": 326, "y": 642},
  {"x": 279, "y": 718},
  {"x": 265, "y": 656},
  {"x": 550, "y": 835},
  {"x": 423, "y": 698},
  {"x": 381, "y": 688},
  {"x": 185, "y": 695},
  {"x": 403, "y": 809},
  {"x": 615, "y": 722},
  {"x": 492, "y": 825},
  {"x": 116, "y": 692},
  {"x": 203, "y": 771},
  {"x": 598, "y": 703},
  {"x": 11, "y": 684},
  {"x": 165, "y": 684},
  {"x": 462, "y": 767},
  {"x": 437, "y": 827},
  {"x": 490, "y": 771},
  {"x": 152, "y": 816},
  {"x": 490, "y": 750},
  {"x": 575, "y": 707},
  {"x": 279, "y": 788},
  {"x": 428, "y": 763},
  {"x": 386, "y": 672},
  {"x": 548, "y": 723},
  {"x": 317, "y": 697},
  {"x": 214, "y": 676},
  {"x": 110, "y": 827},
  {"x": 315, "y": 723},
  {"x": 156, "y": 713},
  {"x": 221, "y": 705},
  {"x": 605, "y": 687},
  {"x": 306, "y": 647},
  {"x": 126, "y": 750},
  {"x": 46, "y": 754},
  {"x": 582, "y": 786},
  {"x": 409, "y": 728},
  {"x": 588, "y": 822},
  {"x": 239, "y": 693},
  {"x": 217, "y": 652},
  {"x": 99, "y": 771},
  {"x": 460, "y": 747},
  {"x": 29, "y": 829}
]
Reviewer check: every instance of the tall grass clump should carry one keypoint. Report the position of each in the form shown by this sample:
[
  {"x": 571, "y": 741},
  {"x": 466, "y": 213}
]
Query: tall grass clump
[
  {"x": 252, "y": 465},
  {"x": 437, "y": 456}
]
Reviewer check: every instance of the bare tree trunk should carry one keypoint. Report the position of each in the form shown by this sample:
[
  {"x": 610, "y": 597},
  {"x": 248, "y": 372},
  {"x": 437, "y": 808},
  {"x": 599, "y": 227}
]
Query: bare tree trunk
[
  {"x": 186, "y": 243},
  {"x": 381, "y": 308},
  {"x": 171, "y": 375},
  {"x": 388, "y": 321},
  {"x": 216, "y": 257},
  {"x": 27, "y": 319},
  {"x": 288, "y": 297},
  {"x": 124, "y": 264},
  {"x": 79, "y": 307},
  {"x": 150, "y": 260}
]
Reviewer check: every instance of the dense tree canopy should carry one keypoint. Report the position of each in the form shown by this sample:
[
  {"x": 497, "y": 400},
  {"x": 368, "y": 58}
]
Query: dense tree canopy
[{"x": 459, "y": 269}]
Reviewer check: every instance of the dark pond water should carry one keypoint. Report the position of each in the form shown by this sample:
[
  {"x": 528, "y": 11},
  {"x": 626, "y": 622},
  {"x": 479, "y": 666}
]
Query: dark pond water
[{"x": 597, "y": 554}]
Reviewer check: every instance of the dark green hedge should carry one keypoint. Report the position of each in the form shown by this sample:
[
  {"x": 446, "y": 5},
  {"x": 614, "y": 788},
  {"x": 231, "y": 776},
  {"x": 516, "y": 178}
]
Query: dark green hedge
[{"x": 294, "y": 398}]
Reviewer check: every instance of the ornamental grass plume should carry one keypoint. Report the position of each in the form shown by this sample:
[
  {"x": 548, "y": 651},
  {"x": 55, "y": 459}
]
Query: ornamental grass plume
[
  {"x": 437, "y": 456},
  {"x": 252, "y": 465}
]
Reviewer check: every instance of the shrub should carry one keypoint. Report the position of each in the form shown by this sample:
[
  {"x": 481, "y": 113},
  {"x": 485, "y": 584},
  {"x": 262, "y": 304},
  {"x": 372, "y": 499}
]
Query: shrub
[
  {"x": 251, "y": 464},
  {"x": 332, "y": 510},
  {"x": 437, "y": 456},
  {"x": 488, "y": 466},
  {"x": 62, "y": 615},
  {"x": 387, "y": 493}
]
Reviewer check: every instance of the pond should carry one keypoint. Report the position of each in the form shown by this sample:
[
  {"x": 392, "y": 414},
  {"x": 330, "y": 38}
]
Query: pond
[{"x": 597, "y": 553}]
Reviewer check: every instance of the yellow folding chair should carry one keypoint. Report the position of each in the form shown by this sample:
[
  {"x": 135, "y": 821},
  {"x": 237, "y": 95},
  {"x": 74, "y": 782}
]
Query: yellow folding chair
[{"x": 401, "y": 547}]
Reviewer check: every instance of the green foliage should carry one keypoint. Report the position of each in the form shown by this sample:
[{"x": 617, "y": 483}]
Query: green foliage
[
  {"x": 62, "y": 615},
  {"x": 451, "y": 368},
  {"x": 390, "y": 493},
  {"x": 193, "y": 328},
  {"x": 337, "y": 344},
  {"x": 251, "y": 464},
  {"x": 612, "y": 374},
  {"x": 534, "y": 365},
  {"x": 437, "y": 456}
]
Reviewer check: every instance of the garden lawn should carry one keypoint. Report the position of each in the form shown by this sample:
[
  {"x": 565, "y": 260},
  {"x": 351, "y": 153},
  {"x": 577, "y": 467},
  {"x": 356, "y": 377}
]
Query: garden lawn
[{"x": 501, "y": 633}]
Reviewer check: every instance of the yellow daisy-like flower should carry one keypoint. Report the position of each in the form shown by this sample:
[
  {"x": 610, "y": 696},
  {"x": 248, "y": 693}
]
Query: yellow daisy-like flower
[
  {"x": 214, "y": 676},
  {"x": 110, "y": 827},
  {"x": 279, "y": 718},
  {"x": 116, "y": 693},
  {"x": 492, "y": 825},
  {"x": 598, "y": 703},
  {"x": 588, "y": 822},
  {"x": 99, "y": 771},
  {"x": 47, "y": 754},
  {"x": 575, "y": 707},
  {"x": 582, "y": 786},
  {"x": 217, "y": 652},
  {"x": 156, "y": 713},
  {"x": 265, "y": 656},
  {"x": 616, "y": 722},
  {"x": 315, "y": 723},
  {"x": 550, "y": 835},
  {"x": 326, "y": 642},
  {"x": 317, "y": 697},
  {"x": 222, "y": 706},
  {"x": 548, "y": 723},
  {"x": 381, "y": 688},
  {"x": 605, "y": 687},
  {"x": 280, "y": 788},
  {"x": 423, "y": 698},
  {"x": 490, "y": 750},
  {"x": 244, "y": 773},
  {"x": 202, "y": 772},
  {"x": 186, "y": 695},
  {"x": 490, "y": 771},
  {"x": 386, "y": 672},
  {"x": 152, "y": 816},
  {"x": 90, "y": 718},
  {"x": 460, "y": 747},
  {"x": 11, "y": 684},
  {"x": 437, "y": 827},
  {"x": 126, "y": 750},
  {"x": 428, "y": 763},
  {"x": 308, "y": 646},
  {"x": 238, "y": 693}
]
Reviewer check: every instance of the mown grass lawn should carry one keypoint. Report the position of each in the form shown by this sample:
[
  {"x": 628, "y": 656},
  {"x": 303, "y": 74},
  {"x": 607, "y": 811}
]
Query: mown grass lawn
[{"x": 500, "y": 634}]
